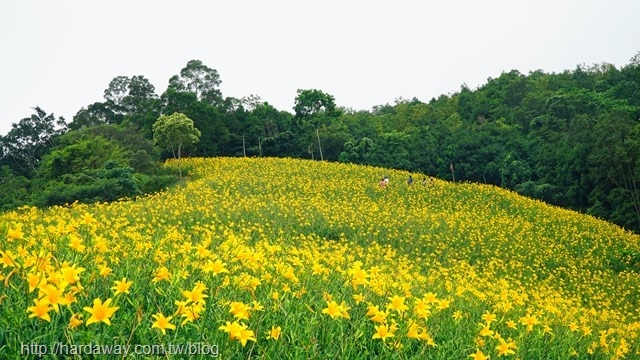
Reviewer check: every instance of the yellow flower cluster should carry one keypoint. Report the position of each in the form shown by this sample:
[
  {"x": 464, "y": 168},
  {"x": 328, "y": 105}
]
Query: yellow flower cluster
[{"x": 285, "y": 247}]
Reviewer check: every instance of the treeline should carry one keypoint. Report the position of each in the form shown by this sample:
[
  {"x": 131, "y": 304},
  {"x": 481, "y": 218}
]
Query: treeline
[{"x": 571, "y": 139}]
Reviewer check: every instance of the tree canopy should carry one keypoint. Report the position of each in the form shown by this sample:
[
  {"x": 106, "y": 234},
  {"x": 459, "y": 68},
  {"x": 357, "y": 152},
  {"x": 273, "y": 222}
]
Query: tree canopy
[
  {"x": 570, "y": 138},
  {"x": 174, "y": 133}
]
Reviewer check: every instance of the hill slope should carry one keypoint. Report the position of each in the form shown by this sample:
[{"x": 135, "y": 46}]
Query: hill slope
[{"x": 341, "y": 266}]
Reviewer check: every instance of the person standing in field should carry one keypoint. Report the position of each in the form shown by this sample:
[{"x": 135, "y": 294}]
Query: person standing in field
[
  {"x": 382, "y": 183},
  {"x": 386, "y": 180},
  {"x": 410, "y": 180}
]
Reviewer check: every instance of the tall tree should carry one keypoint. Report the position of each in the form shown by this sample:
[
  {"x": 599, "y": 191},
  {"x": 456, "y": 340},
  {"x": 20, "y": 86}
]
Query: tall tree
[
  {"x": 270, "y": 120},
  {"x": 97, "y": 113},
  {"x": 116, "y": 93},
  {"x": 313, "y": 109},
  {"x": 313, "y": 104},
  {"x": 174, "y": 133},
  {"x": 131, "y": 99},
  {"x": 615, "y": 167},
  {"x": 206, "y": 118},
  {"x": 199, "y": 79},
  {"x": 139, "y": 89},
  {"x": 31, "y": 138}
]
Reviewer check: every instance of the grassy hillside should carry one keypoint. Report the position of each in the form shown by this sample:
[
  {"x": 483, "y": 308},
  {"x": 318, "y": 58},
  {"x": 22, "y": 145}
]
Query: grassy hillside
[{"x": 265, "y": 257}]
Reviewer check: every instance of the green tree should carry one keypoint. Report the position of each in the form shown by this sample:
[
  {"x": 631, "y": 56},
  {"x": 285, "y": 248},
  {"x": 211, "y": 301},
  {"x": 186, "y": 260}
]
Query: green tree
[
  {"x": 313, "y": 109},
  {"x": 174, "y": 133},
  {"x": 268, "y": 119},
  {"x": 110, "y": 182},
  {"x": 615, "y": 167},
  {"x": 357, "y": 152},
  {"x": 311, "y": 103},
  {"x": 390, "y": 150},
  {"x": 116, "y": 93},
  {"x": 89, "y": 153},
  {"x": 139, "y": 151},
  {"x": 32, "y": 138},
  {"x": 132, "y": 100},
  {"x": 14, "y": 189},
  {"x": 336, "y": 135},
  {"x": 199, "y": 79},
  {"x": 206, "y": 118},
  {"x": 95, "y": 114}
]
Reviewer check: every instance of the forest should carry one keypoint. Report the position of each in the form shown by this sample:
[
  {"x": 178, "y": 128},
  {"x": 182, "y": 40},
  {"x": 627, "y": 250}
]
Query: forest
[{"x": 570, "y": 139}]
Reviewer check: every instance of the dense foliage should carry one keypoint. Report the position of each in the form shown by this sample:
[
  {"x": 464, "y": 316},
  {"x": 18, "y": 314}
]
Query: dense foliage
[
  {"x": 98, "y": 163},
  {"x": 571, "y": 139}
]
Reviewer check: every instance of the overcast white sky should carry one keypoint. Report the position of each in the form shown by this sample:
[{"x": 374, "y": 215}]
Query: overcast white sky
[{"x": 61, "y": 55}]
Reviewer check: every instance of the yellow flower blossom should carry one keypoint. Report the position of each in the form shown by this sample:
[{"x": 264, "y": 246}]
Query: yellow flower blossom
[
  {"x": 485, "y": 331},
  {"x": 397, "y": 303},
  {"x": 382, "y": 332},
  {"x": 76, "y": 243},
  {"x": 216, "y": 267},
  {"x": 238, "y": 331},
  {"x": 479, "y": 355},
  {"x": 489, "y": 317},
  {"x": 529, "y": 321},
  {"x": 40, "y": 309},
  {"x": 121, "y": 286},
  {"x": 196, "y": 294},
  {"x": 239, "y": 310},
  {"x": 15, "y": 233},
  {"x": 100, "y": 312},
  {"x": 75, "y": 321},
  {"x": 274, "y": 333},
  {"x": 54, "y": 295},
  {"x": 162, "y": 273},
  {"x": 336, "y": 310},
  {"x": 162, "y": 323},
  {"x": 105, "y": 270},
  {"x": 70, "y": 274},
  {"x": 506, "y": 348},
  {"x": 358, "y": 298}
]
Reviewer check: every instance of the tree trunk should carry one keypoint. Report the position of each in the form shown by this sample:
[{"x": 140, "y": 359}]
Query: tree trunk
[
  {"x": 319, "y": 147},
  {"x": 179, "y": 163}
]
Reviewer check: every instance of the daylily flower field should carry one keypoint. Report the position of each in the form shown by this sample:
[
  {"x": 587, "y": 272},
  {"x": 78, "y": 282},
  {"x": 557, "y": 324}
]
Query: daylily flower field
[{"x": 282, "y": 258}]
